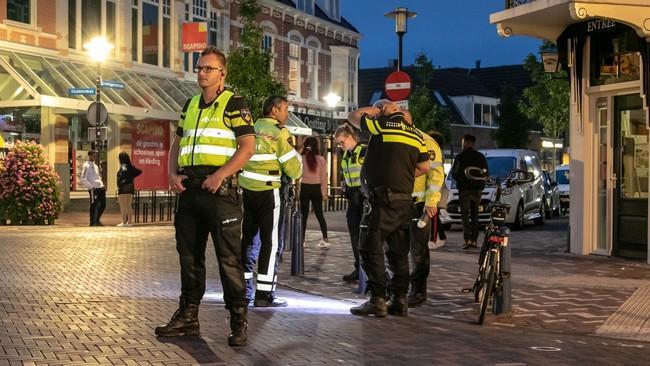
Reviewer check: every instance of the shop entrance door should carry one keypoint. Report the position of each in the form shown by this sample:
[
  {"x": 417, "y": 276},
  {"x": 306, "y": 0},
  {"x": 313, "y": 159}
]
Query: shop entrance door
[{"x": 630, "y": 203}]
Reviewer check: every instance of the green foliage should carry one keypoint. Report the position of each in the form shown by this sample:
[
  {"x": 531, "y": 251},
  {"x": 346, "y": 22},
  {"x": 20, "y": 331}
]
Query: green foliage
[
  {"x": 29, "y": 187},
  {"x": 514, "y": 126},
  {"x": 249, "y": 73},
  {"x": 426, "y": 114}
]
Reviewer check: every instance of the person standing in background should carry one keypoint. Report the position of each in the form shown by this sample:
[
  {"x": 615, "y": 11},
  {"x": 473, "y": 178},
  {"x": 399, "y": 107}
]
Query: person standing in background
[
  {"x": 313, "y": 187},
  {"x": 126, "y": 187},
  {"x": 351, "y": 162},
  {"x": 91, "y": 178}
]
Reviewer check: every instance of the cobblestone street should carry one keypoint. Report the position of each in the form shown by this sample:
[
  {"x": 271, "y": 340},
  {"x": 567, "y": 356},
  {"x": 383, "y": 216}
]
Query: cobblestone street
[{"x": 79, "y": 295}]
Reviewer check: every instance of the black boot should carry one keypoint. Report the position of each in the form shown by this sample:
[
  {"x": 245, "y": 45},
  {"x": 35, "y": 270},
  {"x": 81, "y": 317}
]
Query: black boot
[
  {"x": 238, "y": 326},
  {"x": 354, "y": 276},
  {"x": 397, "y": 305},
  {"x": 185, "y": 322},
  {"x": 266, "y": 299},
  {"x": 416, "y": 299},
  {"x": 375, "y": 306}
]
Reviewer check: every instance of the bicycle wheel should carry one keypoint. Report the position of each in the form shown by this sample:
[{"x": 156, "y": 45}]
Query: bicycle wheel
[
  {"x": 488, "y": 287},
  {"x": 479, "y": 284}
]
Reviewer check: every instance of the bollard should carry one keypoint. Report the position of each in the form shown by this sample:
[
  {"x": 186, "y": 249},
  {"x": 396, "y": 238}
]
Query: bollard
[
  {"x": 297, "y": 250},
  {"x": 503, "y": 298}
]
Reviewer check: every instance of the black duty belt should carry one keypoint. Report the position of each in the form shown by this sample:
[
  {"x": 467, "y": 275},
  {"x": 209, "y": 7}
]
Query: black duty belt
[
  {"x": 197, "y": 174},
  {"x": 385, "y": 195}
]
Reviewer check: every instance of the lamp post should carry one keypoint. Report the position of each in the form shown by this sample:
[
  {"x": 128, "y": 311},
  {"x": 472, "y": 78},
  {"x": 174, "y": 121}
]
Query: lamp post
[
  {"x": 98, "y": 49},
  {"x": 401, "y": 16},
  {"x": 550, "y": 60}
]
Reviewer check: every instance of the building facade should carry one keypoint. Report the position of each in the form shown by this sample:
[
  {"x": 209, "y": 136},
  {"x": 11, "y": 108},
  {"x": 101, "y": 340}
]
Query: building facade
[
  {"x": 47, "y": 78},
  {"x": 604, "y": 45}
]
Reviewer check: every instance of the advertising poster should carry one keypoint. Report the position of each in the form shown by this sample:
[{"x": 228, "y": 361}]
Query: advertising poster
[
  {"x": 150, "y": 147},
  {"x": 80, "y": 158}
]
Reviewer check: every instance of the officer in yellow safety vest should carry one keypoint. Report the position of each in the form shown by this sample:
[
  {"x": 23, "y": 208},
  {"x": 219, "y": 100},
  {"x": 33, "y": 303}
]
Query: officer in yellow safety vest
[
  {"x": 426, "y": 194},
  {"x": 214, "y": 140},
  {"x": 351, "y": 162},
  {"x": 261, "y": 178}
]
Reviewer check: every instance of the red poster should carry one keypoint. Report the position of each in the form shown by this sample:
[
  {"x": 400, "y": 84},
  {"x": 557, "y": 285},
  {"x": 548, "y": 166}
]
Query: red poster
[
  {"x": 195, "y": 36},
  {"x": 150, "y": 147}
]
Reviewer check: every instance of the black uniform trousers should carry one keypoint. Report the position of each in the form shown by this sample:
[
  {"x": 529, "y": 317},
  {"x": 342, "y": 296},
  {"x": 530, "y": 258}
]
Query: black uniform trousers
[
  {"x": 263, "y": 212},
  {"x": 353, "y": 216},
  {"x": 419, "y": 253},
  {"x": 201, "y": 213},
  {"x": 97, "y": 205},
  {"x": 387, "y": 222},
  {"x": 469, "y": 201}
]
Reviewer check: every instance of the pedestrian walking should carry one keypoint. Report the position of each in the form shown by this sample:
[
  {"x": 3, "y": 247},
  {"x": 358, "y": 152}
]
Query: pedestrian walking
[
  {"x": 396, "y": 154},
  {"x": 214, "y": 140},
  {"x": 426, "y": 195},
  {"x": 313, "y": 187},
  {"x": 351, "y": 163},
  {"x": 264, "y": 201},
  {"x": 469, "y": 190},
  {"x": 91, "y": 178},
  {"x": 126, "y": 187}
]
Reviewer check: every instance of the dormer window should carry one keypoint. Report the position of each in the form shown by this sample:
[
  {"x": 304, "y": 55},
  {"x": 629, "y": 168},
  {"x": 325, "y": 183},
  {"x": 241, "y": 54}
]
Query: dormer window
[{"x": 306, "y": 5}]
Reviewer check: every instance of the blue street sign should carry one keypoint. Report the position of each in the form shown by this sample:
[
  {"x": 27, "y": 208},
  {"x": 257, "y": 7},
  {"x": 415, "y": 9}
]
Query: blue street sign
[
  {"x": 112, "y": 84},
  {"x": 82, "y": 91}
]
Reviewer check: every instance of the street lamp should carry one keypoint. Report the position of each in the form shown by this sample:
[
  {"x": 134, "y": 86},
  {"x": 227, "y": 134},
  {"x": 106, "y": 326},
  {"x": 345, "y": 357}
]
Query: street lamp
[
  {"x": 98, "y": 49},
  {"x": 401, "y": 16},
  {"x": 332, "y": 99},
  {"x": 550, "y": 60}
]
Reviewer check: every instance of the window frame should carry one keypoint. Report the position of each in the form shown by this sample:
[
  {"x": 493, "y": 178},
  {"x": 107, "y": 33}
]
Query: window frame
[{"x": 32, "y": 16}]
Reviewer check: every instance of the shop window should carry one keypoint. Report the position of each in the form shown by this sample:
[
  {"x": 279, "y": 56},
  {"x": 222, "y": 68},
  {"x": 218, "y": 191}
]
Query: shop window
[
  {"x": 615, "y": 57},
  {"x": 20, "y": 11},
  {"x": 20, "y": 124}
]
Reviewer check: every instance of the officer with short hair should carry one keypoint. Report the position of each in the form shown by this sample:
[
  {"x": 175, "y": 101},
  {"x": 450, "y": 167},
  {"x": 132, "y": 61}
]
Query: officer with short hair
[
  {"x": 396, "y": 154},
  {"x": 426, "y": 194},
  {"x": 263, "y": 202},
  {"x": 214, "y": 140}
]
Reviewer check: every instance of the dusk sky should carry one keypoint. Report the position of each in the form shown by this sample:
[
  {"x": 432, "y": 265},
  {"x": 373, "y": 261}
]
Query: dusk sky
[{"x": 452, "y": 33}]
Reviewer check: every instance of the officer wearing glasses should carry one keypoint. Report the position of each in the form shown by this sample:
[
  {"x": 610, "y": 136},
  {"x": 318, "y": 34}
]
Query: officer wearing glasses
[{"x": 214, "y": 140}]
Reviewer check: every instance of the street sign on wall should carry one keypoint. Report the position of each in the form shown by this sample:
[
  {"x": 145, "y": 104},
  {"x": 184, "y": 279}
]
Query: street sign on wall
[
  {"x": 398, "y": 85},
  {"x": 82, "y": 91},
  {"x": 195, "y": 36}
]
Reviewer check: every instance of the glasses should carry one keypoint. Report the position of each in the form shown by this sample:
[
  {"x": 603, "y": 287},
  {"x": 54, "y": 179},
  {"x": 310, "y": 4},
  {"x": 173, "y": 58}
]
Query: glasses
[{"x": 207, "y": 69}]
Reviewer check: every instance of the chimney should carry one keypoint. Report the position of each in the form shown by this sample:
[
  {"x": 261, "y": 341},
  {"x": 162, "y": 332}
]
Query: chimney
[{"x": 478, "y": 65}]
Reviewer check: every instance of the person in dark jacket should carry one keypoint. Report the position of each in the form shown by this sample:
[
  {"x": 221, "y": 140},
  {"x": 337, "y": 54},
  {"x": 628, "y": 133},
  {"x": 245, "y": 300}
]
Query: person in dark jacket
[
  {"x": 469, "y": 191},
  {"x": 126, "y": 188}
]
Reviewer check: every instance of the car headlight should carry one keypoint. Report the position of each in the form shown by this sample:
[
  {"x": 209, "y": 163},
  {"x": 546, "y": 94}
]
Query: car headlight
[{"x": 506, "y": 191}]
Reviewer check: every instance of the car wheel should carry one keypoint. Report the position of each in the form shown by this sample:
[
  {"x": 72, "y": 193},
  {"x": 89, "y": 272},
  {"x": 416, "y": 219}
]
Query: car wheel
[
  {"x": 519, "y": 217},
  {"x": 542, "y": 214},
  {"x": 547, "y": 209},
  {"x": 556, "y": 211}
]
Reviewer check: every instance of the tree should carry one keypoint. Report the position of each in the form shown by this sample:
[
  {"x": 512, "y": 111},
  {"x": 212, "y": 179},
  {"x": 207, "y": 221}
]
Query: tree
[
  {"x": 249, "y": 74},
  {"x": 514, "y": 126},
  {"x": 426, "y": 114},
  {"x": 547, "y": 101}
]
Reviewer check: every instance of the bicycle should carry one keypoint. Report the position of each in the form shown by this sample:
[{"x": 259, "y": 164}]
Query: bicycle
[{"x": 490, "y": 276}]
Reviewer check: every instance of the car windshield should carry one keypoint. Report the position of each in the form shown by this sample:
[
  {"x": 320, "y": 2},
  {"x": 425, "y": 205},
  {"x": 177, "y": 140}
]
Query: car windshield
[
  {"x": 501, "y": 166},
  {"x": 562, "y": 176}
]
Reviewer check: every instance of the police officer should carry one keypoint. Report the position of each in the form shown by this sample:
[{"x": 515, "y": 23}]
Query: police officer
[
  {"x": 351, "y": 162},
  {"x": 263, "y": 205},
  {"x": 426, "y": 194},
  {"x": 214, "y": 139},
  {"x": 396, "y": 154}
]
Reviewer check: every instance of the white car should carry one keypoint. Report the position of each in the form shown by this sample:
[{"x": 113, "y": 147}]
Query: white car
[
  {"x": 526, "y": 200},
  {"x": 562, "y": 179}
]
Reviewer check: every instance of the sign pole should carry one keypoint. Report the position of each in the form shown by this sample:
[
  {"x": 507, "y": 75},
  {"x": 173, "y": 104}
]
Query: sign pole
[{"x": 98, "y": 126}]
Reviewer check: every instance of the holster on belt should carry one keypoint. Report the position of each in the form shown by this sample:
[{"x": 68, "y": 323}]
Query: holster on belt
[
  {"x": 196, "y": 175},
  {"x": 383, "y": 195}
]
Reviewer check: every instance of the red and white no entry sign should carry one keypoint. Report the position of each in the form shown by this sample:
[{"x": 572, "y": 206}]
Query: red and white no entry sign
[{"x": 398, "y": 85}]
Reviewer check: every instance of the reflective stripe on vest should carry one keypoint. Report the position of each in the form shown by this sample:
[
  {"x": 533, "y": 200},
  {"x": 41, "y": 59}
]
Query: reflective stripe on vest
[
  {"x": 352, "y": 170},
  {"x": 263, "y": 157},
  {"x": 260, "y": 177},
  {"x": 206, "y": 139},
  {"x": 287, "y": 156}
]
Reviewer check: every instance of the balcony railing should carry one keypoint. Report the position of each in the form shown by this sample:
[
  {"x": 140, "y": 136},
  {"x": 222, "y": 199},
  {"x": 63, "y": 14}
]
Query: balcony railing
[{"x": 515, "y": 3}]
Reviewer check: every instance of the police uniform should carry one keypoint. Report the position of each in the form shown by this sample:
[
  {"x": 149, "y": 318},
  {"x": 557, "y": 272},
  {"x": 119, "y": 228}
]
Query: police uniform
[
  {"x": 351, "y": 163},
  {"x": 394, "y": 150},
  {"x": 426, "y": 192},
  {"x": 263, "y": 205},
  {"x": 208, "y": 135}
]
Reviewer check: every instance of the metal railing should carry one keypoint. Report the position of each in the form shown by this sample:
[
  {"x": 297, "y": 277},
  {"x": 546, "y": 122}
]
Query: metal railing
[
  {"x": 336, "y": 200},
  {"x": 154, "y": 206},
  {"x": 515, "y": 3}
]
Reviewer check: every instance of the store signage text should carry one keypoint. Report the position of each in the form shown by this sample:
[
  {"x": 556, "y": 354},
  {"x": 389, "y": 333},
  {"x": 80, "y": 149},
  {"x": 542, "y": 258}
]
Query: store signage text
[{"x": 600, "y": 25}]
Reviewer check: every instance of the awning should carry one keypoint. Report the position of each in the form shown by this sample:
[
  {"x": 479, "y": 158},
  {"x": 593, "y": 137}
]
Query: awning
[
  {"x": 296, "y": 126},
  {"x": 31, "y": 80}
]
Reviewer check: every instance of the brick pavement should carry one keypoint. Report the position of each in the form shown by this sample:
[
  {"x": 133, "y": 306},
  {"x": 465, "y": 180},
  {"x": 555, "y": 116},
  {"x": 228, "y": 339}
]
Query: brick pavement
[{"x": 78, "y": 295}]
